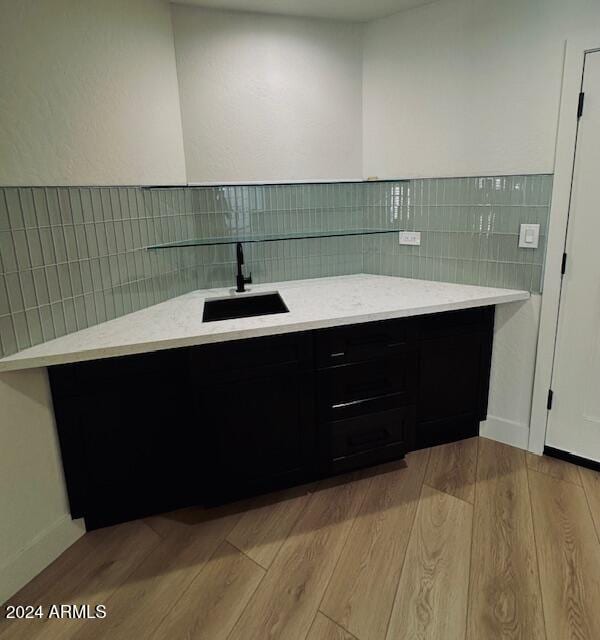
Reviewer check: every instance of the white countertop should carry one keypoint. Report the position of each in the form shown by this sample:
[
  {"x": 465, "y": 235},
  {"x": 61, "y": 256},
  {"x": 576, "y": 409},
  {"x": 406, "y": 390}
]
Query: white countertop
[{"x": 312, "y": 304}]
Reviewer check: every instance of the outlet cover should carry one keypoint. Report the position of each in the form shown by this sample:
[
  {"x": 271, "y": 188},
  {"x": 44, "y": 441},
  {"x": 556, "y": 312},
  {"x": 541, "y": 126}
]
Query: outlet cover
[{"x": 412, "y": 238}]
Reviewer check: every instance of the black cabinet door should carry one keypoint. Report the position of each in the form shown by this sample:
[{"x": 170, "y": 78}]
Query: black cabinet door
[
  {"x": 125, "y": 440},
  {"x": 453, "y": 387},
  {"x": 257, "y": 434}
]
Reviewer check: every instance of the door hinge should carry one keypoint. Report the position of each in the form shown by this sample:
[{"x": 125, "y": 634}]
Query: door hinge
[
  {"x": 580, "y": 105},
  {"x": 550, "y": 399},
  {"x": 563, "y": 266}
]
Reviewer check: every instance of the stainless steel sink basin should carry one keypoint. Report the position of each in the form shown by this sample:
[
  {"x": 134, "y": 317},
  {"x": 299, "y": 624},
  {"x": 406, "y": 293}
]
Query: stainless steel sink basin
[{"x": 260, "y": 304}]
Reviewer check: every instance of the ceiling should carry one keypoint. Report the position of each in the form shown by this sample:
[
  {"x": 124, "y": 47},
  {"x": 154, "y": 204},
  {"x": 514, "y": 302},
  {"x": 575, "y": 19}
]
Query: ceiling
[{"x": 354, "y": 10}]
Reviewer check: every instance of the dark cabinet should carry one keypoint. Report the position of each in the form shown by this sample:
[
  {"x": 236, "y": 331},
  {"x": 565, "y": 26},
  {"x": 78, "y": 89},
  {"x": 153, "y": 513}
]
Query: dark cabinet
[
  {"x": 454, "y": 367},
  {"x": 203, "y": 425},
  {"x": 254, "y": 415},
  {"x": 123, "y": 430}
]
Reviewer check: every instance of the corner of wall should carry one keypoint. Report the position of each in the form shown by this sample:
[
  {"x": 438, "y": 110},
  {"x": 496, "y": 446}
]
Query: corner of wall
[{"x": 37, "y": 554}]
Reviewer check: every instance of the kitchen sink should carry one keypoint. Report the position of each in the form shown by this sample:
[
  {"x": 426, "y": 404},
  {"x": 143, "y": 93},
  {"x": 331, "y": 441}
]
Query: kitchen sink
[{"x": 260, "y": 304}]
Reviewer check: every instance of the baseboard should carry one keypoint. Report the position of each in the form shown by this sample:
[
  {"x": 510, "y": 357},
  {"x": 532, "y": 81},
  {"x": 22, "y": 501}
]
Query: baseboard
[
  {"x": 37, "y": 554},
  {"x": 508, "y": 432}
]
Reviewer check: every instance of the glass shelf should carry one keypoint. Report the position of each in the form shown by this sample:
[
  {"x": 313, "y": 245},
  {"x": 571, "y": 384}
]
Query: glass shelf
[{"x": 269, "y": 237}]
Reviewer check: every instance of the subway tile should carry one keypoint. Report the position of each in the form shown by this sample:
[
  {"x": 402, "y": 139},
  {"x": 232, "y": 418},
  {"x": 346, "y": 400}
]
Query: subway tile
[
  {"x": 105, "y": 205},
  {"x": 4, "y": 219},
  {"x": 15, "y": 295},
  {"x": 53, "y": 205},
  {"x": 58, "y": 319},
  {"x": 71, "y": 243},
  {"x": 76, "y": 281},
  {"x": 4, "y": 302},
  {"x": 64, "y": 202},
  {"x": 53, "y": 283},
  {"x": 90, "y": 309},
  {"x": 64, "y": 281},
  {"x": 86, "y": 276},
  {"x": 47, "y": 243},
  {"x": 87, "y": 204},
  {"x": 81, "y": 244},
  {"x": 41, "y": 286},
  {"x": 70, "y": 317},
  {"x": 86, "y": 236},
  {"x": 60, "y": 247},
  {"x": 8, "y": 339},
  {"x": 80, "y": 314},
  {"x": 28, "y": 290},
  {"x": 101, "y": 238},
  {"x": 76, "y": 205},
  {"x": 21, "y": 248},
  {"x": 34, "y": 243},
  {"x": 28, "y": 208},
  {"x": 21, "y": 330},
  {"x": 115, "y": 205},
  {"x": 34, "y": 326},
  {"x": 96, "y": 274},
  {"x": 41, "y": 206},
  {"x": 13, "y": 204},
  {"x": 7, "y": 252},
  {"x": 97, "y": 205},
  {"x": 47, "y": 322}
]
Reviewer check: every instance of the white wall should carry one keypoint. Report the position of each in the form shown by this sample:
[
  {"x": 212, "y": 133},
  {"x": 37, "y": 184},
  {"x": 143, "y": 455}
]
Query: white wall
[
  {"x": 268, "y": 98},
  {"x": 89, "y": 93},
  {"x": 35, "y": 526},
  {"x": 468, "y": 87},
  {"x": 513, "y": 365}
]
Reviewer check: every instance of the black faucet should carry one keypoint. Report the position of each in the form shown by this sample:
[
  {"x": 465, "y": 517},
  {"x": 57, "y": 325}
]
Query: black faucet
[{"x": 240, "y": 279}]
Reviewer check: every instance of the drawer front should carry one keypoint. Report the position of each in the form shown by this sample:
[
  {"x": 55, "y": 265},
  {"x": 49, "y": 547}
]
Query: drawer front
[
  {"x": 455, "y": 323},
  {"x": 356, "y": 343},
  {"x": 239, "y": 359},
  {"x": 356, "y": 435},
  {"x": 371, "y": 439},
  {"x": 368, "y": 387}
]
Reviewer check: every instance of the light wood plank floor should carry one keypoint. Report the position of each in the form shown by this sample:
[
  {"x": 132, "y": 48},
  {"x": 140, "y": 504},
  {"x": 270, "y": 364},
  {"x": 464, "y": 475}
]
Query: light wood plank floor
[{"x": 468, "y": 541}]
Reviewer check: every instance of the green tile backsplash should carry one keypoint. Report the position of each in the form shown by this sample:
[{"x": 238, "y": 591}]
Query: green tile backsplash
[
  {"x": 71, "y": 257},
  {"x": 469, "y": 231}
]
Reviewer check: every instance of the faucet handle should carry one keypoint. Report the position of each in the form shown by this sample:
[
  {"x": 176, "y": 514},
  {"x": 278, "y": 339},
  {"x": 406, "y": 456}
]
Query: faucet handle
[{"x": 248, "y": 278}]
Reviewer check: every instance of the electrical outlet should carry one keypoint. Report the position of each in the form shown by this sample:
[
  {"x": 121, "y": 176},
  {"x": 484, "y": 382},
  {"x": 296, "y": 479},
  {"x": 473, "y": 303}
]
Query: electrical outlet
[
  {"x": 529, "y": 236},
  {"x": 412, "y": 238}
]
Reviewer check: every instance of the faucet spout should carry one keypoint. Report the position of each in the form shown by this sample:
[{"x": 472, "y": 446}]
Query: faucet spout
[{"x": 240, "y": 279}]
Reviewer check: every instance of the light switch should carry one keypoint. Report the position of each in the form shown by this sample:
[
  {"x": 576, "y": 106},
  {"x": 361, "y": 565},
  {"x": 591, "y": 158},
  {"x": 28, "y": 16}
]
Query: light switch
[
  {"x": 410, "y": 237},
  {"x": 529, "y": 236}
]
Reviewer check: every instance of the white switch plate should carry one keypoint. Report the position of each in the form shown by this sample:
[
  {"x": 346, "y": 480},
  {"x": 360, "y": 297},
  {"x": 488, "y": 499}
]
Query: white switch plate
[
  {"x": 529, "y": 236},
  {"x": 410, "y": 237}
]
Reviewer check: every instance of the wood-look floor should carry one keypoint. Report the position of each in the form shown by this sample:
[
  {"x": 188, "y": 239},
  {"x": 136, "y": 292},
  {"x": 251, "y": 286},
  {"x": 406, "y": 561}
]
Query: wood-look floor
[{"x": 469, "y": 541}]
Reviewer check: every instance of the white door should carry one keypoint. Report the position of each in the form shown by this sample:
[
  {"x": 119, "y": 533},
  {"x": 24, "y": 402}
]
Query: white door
[{"x": 574, "y": 421}]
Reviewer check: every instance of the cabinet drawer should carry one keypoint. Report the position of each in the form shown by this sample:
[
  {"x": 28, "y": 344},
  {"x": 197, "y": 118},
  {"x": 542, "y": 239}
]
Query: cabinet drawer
[
  {"x": 356, "y": 343},
  {"x": 371, "y": 439},
  {"x": 356, "y": 389},
  {"x": 240, "y": 359},
  {"x": 455, "y": 323}
]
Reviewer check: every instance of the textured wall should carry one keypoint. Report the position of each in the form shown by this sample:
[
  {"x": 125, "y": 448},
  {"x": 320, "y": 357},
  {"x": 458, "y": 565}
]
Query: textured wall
[
  {"x": 460, "y": 87},
  {"x": 267, "y": 98},
  {"x": 89, "y": 93},
  {"x": 36, "y": 525}
]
